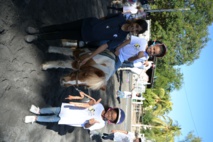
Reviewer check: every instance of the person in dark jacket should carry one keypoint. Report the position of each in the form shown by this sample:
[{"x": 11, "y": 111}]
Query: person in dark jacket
[{"x": 114, "y": 29}]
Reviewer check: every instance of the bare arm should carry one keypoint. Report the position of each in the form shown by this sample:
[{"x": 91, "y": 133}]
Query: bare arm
[
  {"x": 140, "y": 55},
  {"x": 97, "y": 51},
  {"x": 83, "y": 105},
  {"x": 70, "y": 97},
  {"x": 121, "y": 46},
  {"x": 90, "y": 123},
  {"x": 121, "y": 131}
]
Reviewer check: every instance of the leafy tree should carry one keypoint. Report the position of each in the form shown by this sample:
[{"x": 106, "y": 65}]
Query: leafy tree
[
  {"x": 168, "y": 77},
  {"x": 184, "y": 32},
  {"x": 158, "y": 101},
  {"x": 191, "y": 138}
]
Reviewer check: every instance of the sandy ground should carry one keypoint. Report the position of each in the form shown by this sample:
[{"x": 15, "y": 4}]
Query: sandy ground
[{"x": 22, "y": 82}]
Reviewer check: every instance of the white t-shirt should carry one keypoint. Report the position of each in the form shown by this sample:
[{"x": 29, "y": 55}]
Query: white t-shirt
[
  {"x": 121, "y": 137},
  {"x": 78, "y": 117},
  {"x": 130, "y": 8},
  {"x": 136, "y": 45}
]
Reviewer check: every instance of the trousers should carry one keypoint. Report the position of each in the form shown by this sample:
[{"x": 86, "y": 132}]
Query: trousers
[{"x": 71, "y": 30}]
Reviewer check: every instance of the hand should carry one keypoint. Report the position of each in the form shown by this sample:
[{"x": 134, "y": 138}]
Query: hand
[
  {"x": 93, "y": 102},
  {"x": 146, "y": 63},
  {"x": 113, "y": 131},
  {"x": 93, "y": 121},
  {"x": 117, "y": 52},
  {"x": 84, "y": 61}
]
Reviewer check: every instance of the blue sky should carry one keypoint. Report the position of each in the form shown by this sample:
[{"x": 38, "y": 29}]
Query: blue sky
[{"x": 193, "y": 103}]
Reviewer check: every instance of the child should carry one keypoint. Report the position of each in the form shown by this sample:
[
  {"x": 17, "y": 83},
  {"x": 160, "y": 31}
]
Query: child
[
  {"x": 113, "y": 29},
  {"x": 91, "y": 115},
  {"x": 136, "y": 49},
  {"x": 127, "y": 94},
  {"x": 145, "y": 65},
  {"x": 121, "y": 136}
]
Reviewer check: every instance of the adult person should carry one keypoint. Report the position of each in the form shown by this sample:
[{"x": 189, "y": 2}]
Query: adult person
[
  {"x": 114, "y": 29},
  {"x": 136, "y": 48}
]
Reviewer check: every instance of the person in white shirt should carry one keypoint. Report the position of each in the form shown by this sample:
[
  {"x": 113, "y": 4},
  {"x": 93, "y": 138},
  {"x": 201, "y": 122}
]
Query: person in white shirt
[
  {"x": 136, "y": 48},
  {"x": 91, "y": 115},
  {"x": 121, "y": 136},
  {"x": 127, "y": 94}
]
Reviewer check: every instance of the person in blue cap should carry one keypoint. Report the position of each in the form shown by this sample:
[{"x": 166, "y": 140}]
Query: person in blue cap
[{"x": 91, "y": 115}]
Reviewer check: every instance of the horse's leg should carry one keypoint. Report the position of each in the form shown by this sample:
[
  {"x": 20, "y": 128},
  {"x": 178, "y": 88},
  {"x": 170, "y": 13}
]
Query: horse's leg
[
  {"x": 57, "y": 64},
  {"x": 60, "y": 50}
]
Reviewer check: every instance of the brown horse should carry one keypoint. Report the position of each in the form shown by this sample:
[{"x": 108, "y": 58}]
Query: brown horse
[{"x": 95, "y": 73}]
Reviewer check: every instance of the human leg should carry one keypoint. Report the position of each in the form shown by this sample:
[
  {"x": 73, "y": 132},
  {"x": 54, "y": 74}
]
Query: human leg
[
  {"x": 71, "y": 30},
  {"x": 50, "y": 110},
  {"x": 75, "y": 25},
  {"x": 120, "y": 94},
  {"x": 32, "y": 119},
  {"x": 118, "y": 63},
  {"x": 127, "y": 64},
  {"x": 50, "y": 118},
  {"x": 108, "y": 136}
]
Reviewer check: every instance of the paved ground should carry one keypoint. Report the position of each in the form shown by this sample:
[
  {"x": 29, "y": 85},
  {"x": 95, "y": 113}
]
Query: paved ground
[{"x": 22, "y": 82}]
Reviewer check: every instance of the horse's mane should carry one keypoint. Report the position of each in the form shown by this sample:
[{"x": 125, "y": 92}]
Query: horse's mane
[
  {"x": 95, "y": 78},
  {"x": 95, "y": 82}
]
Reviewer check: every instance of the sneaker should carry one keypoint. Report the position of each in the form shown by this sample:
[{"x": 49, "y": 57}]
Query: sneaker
[
  {"x": 104, "y": 137},
  {"x": 31, "y": 30},
  {"x": 93, "y": 133},
  {"x": 30, "y": 38},
  {"x": 29, "y": 119},
  {"x": 105, "y": 134},
  {"x": 34, "y": 109}
]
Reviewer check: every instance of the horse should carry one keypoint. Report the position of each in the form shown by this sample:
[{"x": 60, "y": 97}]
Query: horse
[{"x": 94, "y": 73}]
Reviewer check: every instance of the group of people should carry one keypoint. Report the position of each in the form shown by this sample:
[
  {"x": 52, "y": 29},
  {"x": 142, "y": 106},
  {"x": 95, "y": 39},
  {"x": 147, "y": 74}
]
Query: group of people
[
  {"x": 133, "y": 9},
  {"x": 112, "y": 32}
]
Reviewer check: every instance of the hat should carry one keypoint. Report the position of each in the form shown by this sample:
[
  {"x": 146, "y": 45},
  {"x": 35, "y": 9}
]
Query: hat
[{"x": 121, "y": 116}]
